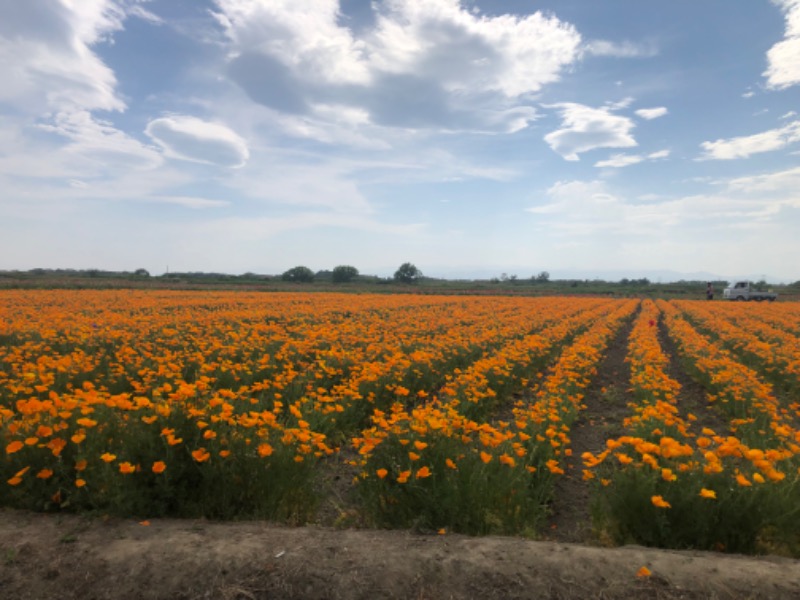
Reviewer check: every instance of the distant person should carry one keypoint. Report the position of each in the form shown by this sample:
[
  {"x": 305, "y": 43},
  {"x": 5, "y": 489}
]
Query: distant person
[{"x": 709, "y": 291}]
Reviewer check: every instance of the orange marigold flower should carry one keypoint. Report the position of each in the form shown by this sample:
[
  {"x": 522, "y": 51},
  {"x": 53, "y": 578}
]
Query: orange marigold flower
[
  {"x": 660, "y": 502},
  {"x": 159, "y": 467},
  {"x": 742, "y": 480},
  {"x": 403, "y": 476},
  {"x": 758, "y": 478},
  {"x": 486, "y": 457},
  {"x": 413, "y": 456},
  {"x": 644, "y": 572},
  {"x": 78, "y": 438},
  {"x": 108, "y": 457},
  {"x": 420, "y": 445},
  {"x": 126, "y": 468},
  {"x": 710, "y": 494},
  {"x": 450, "y": 464},
  {"x": 381, "y": 473},
  {"x": 668, "y": 475},
  {"x": 31, "y": 441},
  {"x": 44, "y": 474},
  {"x": 552, "y": 464},
  {"x": 79, "y": 483}
]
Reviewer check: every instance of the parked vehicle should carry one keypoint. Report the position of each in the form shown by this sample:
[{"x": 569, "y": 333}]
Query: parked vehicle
[{"x": 743, "y": 290}]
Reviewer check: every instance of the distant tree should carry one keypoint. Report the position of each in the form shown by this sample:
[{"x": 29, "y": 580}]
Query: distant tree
[
  {"x": 513, "y": 279},
  {"x": 407, "y": 273},
  {"x": 344, "y": 273},
  {"x": 142, "y": 273},
  {"x": 543, "y": 277},
  {"x": 298, "y": 274}
]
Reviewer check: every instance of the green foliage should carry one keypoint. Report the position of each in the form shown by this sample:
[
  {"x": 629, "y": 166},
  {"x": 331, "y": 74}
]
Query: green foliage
[
  {"x": 737, "y": 520},
  {"x": 462, "y": 493},
  {"x": 344, "y": 274},
  {"x": 298, "y": 274},
  {"x": 407, "y": 273}
]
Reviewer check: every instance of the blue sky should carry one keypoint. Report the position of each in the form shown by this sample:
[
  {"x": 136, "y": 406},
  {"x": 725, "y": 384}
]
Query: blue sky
[{"x": 472, "y": 138}]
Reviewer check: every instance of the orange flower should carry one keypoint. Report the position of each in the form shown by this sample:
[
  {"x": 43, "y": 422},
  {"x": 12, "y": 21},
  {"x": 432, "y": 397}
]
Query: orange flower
[
  {"x": 413, "y": 456},
  {"x": 668, "y": 475},
  {"x": 159, "y": 467},
  {"x": 423, "y": 473},
  {"x": 108, "y": 457},
  {"x": 78, "y": 438},
  {"x": 80, "y": 465},
  {"x": 507, "y": 460},
  {"x": 486, "y": 457},
  {"x": 403, "y": 476},
  {"x": 44, "y": 474},
  {"x": 450, "y": 464},
  {"x": 201, "y": 455},
  {"x": 14, "y": 446},
  {"x": 382, "y": 473},
  {"x": 264, "y": 450},
  {"x": 710, "y": 494},
  {"x": 126, "y": 468},
  {"x": 224, "y": 453},
  {"x": 420, "y": 445},
  {"x": 79, "y": 483},
  {"x": 644, "y": 572},
  {"x": 742, "y": 480},
  {"x": 660, "y": 502}
]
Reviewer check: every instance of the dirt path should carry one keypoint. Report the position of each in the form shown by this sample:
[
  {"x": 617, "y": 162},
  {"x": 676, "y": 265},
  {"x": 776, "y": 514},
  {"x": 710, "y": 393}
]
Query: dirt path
[
  {"x": 46, "y": 557},
  {"x": 606, "y": 404}
]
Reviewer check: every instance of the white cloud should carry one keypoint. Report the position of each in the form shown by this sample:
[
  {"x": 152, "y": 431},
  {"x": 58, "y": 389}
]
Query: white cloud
[
  {"x": 651, "y": 113},
  {"x": 192, "y": 139},
  {"x": 97, "y": 144},
  {"x": 620, "y": 49},
  {"x": 784, "y": 57},
  {"x": 620, "y": 160},
  {"x": 625, "y": 160},
  {"x": 46, "y": 60},
  {"x": 188, "y": 201},
  {"x": 585, "y": 128},
  {"x": 742, "y": 147},
  {"x": 422, "y": 63}
]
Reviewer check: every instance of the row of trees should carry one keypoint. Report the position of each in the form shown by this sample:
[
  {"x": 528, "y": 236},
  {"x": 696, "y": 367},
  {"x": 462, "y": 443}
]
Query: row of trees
[{"x": 406, "y": 273}]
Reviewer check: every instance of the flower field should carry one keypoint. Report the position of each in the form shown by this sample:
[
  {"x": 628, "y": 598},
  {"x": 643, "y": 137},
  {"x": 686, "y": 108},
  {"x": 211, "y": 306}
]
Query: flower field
[{"x": 448, "y": 413}]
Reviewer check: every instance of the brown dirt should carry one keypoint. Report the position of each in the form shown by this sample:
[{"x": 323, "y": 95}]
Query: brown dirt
[{"x": 71, "y": 557}]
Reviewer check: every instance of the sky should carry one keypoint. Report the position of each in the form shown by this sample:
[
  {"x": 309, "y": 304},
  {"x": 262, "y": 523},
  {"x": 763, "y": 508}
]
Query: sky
[{"x": 472, "y": 138}]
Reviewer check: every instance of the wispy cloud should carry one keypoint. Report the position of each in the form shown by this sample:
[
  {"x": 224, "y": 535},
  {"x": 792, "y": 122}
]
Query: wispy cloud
[
  {"x": 651, "y": 113},
  {"x": 585, "y": 128},
  {"x": 784, "y": 57},
  {"x": 742, "y": 147},
  {"x": 625, "y": 160},
  {"x": 189, "y": 138}
]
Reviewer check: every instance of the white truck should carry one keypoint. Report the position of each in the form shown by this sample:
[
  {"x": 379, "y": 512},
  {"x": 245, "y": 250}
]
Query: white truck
[{"x": 743, "y": 290}]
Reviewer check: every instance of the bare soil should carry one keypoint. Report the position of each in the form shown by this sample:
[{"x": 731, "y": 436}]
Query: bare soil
[{"x": 73, "y": 557}]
